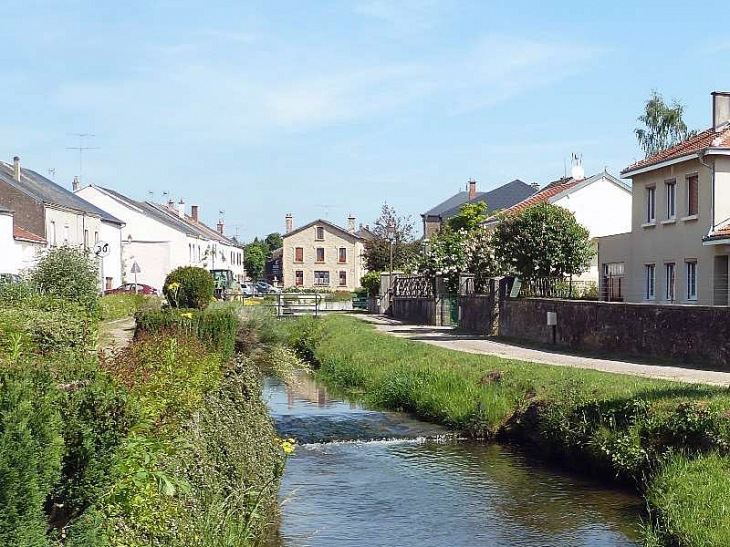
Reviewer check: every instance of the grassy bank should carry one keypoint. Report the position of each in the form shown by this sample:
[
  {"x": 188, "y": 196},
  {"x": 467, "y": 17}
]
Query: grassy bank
[{"x": 671, "y": 440}]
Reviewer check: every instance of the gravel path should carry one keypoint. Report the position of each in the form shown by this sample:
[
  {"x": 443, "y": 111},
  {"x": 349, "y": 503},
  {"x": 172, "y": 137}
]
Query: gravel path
[
  {"x": 446, "y": 337},
  {"x": 116, "y": 334}
]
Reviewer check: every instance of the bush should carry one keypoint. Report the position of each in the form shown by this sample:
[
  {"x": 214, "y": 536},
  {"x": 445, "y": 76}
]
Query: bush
[
  {"x": 68, "y": 273},
  {"x": 189, "y": 287},
  {"x": 118, "y": 306},
  {"x": 40, "y": 331},
  {"x": 30, "y": 455},
  {"x": 371, "y": 282}
]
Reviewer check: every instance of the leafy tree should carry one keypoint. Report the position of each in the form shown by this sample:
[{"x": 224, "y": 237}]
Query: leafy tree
[
  {"x": 68, "y": 273},
  {"x": 663, "y": 125},
  {"x": 371, "y": 282},
  {"x": 189, "y": 287},
  {"x": 274, "y": 241},
  {"x": 254, "y": 260},
  {"x": 544, "y": 240},
  {"x": 377, "y": 249},
  {"x": 470, "y": 217}
]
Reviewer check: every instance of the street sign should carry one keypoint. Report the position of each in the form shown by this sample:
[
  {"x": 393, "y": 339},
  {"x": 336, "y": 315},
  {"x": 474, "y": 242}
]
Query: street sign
[
  {"x": 135, "y": 268},
  {"x": 101, "y": 249}
]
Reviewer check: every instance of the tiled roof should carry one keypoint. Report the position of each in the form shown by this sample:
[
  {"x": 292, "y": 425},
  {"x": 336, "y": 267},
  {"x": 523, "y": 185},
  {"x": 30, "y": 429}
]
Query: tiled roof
[
  {"x": 324, "y": 223},
  {"x": 501, "y": 197},
  {"x": 706, "y": 139},
  {"x": 25, "y": 235}
]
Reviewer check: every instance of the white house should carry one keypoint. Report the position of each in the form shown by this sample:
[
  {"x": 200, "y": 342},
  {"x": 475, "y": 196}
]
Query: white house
[
  {"x": 601, "y": 203},
  {"x": 160, "y": 238},
  {"x": 19, "y": 247}
]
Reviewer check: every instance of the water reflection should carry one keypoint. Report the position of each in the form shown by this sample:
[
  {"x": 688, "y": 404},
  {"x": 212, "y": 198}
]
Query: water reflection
[{"x": 409, "y": 490}]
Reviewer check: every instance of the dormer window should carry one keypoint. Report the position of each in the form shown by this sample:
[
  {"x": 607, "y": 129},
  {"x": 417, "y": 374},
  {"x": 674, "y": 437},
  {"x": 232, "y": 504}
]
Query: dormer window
[{"x": 319, "y": 233}]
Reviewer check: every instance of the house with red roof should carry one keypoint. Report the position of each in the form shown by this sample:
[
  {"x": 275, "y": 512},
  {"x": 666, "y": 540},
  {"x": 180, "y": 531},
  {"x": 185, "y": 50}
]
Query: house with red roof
[
  {"x": 19, "y": 246},
  {"x": 601, "y": 203},
  {"x": 677, "y": 249}
]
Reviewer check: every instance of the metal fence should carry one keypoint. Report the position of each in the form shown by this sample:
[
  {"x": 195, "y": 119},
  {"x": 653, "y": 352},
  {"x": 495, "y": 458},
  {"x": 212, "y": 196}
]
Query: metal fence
[
  {"x": 418, "y": 286},
  {"x": 559, "y": 287}
]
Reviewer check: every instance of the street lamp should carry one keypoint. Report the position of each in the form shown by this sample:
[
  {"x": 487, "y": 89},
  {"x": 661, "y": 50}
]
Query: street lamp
[{"x": 391, "y": 238}]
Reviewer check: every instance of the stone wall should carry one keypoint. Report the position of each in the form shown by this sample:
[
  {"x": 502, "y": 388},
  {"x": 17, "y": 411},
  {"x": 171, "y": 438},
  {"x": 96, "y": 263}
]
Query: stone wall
[
  {"x": 420, "y": 311},
  {"x": 695, "y": 334},
  {"x": 478, "y": 313}
]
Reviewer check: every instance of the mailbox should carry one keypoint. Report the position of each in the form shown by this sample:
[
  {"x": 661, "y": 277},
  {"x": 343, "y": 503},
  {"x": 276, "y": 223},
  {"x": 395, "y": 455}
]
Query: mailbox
[{"x": 552, "y": 318}]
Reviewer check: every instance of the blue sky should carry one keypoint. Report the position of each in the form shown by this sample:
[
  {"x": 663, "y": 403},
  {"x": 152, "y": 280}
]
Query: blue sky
[{"x": 327, "y": 108}]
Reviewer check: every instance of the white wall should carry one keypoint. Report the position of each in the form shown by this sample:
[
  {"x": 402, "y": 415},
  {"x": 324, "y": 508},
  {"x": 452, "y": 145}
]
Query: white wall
[
  {"x": 112, "y": 264},
  {"x": 15, "y": 256},
  {"x": 70, "y": 227},
  {"x": 153, "y": 259}
]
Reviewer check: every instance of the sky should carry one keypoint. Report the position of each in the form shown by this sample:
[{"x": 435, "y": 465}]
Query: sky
[{"x": 324, "y": 109}]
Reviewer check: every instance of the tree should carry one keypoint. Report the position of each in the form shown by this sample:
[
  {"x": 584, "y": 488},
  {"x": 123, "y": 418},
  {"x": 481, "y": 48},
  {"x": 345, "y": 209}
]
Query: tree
[
  {"x": 274, "y": 241},
  {"x": 254, "y": 260},
  {"x": 470, "y": 217},
  {"x": 663, "y": 125},
  {"x": 377, "y": 249},
  {"x": 68, "y": 273},
  {"x": 544, "y": 240}
]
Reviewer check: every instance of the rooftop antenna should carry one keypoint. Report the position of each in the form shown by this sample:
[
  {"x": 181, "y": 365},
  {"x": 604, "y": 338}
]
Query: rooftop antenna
[
  {"x": 81, "y": 149},
  {"x": 326, "y": 207},
  {"x": 221, "y": 214},
  {"x": 51, "y": 172}
]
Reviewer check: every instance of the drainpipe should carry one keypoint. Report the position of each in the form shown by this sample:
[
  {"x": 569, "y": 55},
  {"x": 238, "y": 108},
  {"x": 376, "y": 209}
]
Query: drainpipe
[{"x": 701, "y": 155}]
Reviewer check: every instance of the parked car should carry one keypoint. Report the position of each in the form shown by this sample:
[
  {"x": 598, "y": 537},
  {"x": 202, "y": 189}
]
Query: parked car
[
  {"x": 139, "y": 288},
  {"x": 249, "y": 289},
  {"x": 264, "y": 288}
]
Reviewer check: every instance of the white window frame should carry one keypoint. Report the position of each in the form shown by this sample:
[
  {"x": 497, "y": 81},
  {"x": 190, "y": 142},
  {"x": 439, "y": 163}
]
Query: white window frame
[
  {"x": 650, "y": 204},
  {"x": 322, "y": 281},
  {"x": 52, "y": 233},
  {"x": 670, "y": 281},
  {"x": 649, "y": 281},
  {"x": 671, "y": 197},
  {"x": 690, "y": 267}
]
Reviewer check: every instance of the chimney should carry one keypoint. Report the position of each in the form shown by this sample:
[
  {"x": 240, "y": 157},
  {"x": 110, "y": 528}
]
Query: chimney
[
  {"x": 181, "y": 208},
  {"x": 194, "y": 212},
  {"x": 535, "y": 186},
  {"x": 720, "y": 109},
  {"x": 220, "y": 227},
  {"x": 472, "y": 189},
  {"x": 170, "y": 204},
  {"x": 351, "y": 224},
  {"x": 16, "y": 168},
  {"x": 289, "y": 223},
  {"x": 75, "y": 184}
]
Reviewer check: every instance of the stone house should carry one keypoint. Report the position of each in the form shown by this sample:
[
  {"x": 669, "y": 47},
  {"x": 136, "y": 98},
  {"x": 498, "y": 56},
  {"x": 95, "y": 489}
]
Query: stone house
[
  {"x": 503, "y": 197},
  {"x": 601, "y": 203},
  {"x": 46, "y": 211},
  {"x": 677, "y": 249},
  {"x": 321, "y": 255}
]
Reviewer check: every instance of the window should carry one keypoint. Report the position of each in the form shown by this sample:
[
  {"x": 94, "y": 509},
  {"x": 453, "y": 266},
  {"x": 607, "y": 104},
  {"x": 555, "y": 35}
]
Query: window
[
  {"x": 669, "y": 279},
  {"x": 108, "y": 284},
  {"x": 691, "y": 267},
  {"x": 320, "y": 233},
  {"x": 190, "y": 252},
  {"x": 343, "y": 279},
  {"x": 343, "y": 254},
  {"x": 321, "y": 278},
  {"x": 96, "y": 237},
  {"x": 66, "y": 235},
  {"x": 299, "y": 278},
  {"x": 52, "y": 233},
  {"x": 671, "y": 187},
  {"x": 299, "y": 254},
  {"x": 651, "y": 204},
  {"x": 86, "y": 239},
  {"x": 649, "y": 281},
  {"x": 692, "y": 194},
  {"x": 613, "y": 273},
  {"x": 320, "y": 254}
]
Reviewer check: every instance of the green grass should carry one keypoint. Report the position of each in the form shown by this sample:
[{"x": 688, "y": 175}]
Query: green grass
[{"x": 658, "y": 435}]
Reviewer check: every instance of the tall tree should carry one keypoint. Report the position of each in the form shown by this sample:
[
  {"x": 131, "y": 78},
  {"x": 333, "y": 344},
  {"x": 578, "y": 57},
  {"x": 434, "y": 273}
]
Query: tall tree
[
  {"x": 273, "y": 241},
  {"x": 470, "y": 217},
  {"x": 390, "y": 227},
  {"x": 663, "y": 125},
  {"x": 254, "y": 260}
]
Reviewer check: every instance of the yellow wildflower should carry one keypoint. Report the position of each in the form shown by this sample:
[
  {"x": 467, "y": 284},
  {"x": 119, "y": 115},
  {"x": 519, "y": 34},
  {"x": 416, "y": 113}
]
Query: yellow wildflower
[
  {"x": 287, "y": 447},
  {"x": 188, "y": 315},
  {"x": 173, "y": 286}
]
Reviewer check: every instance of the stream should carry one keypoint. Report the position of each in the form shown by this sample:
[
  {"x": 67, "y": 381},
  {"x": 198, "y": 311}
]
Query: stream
[{"x": 366, "y": 478}]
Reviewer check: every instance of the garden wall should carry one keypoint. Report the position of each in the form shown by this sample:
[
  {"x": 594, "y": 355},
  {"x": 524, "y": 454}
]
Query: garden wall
[
  {"x": 479, "y": 313},
  {"x": 420, "y": 311},
  {"x": 696, "y": 334}
]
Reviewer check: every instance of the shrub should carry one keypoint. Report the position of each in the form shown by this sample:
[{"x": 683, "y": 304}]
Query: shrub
[
  {"x": 189, "y": 287},
  {"x": 68, "y": 273},
  {"x": 371, "y": 282},
  {"x": 41, "y": 331},
  {"x": 30, "y": 455},
  {"x": 118, "y": 306}
]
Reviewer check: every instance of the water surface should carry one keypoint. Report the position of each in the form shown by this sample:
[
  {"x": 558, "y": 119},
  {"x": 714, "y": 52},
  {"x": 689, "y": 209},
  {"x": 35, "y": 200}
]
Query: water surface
[{"x": 367, "y": 478}]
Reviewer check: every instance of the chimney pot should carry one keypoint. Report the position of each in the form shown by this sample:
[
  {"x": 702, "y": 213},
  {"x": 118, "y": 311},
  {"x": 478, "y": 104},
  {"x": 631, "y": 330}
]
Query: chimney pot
[
  {"x": 535, "y": 186},
  {"x": 472, "y": 189},
  {"x": 351, "y": 224},
  {"x": 720, "y": 109},
  {"x": 170, "y": 204},
  {"x": 289, "y": 223},
  {"x": 220, "y": 227},
  {"x": 181, "y": 209},
  {"x": 75, "y": 184},
  {"x": 194, "y": 212},
  {"x": 16, "y": 168}
]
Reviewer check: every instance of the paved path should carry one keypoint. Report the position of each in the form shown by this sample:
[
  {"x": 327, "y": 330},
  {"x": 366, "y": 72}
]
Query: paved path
[
  {"x": 116, "y": 334},
  {"x": 446, "y": 337}
]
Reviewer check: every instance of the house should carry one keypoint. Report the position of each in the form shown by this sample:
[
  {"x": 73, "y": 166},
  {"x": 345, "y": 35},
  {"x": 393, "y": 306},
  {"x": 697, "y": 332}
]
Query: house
[
  {"x": 160, "y": 238},
  {"x": 601, "y": 203},
  {"x": 502, "y": 197},
  {"x": 20, "y": 248},
  {"x": 47, "y": 211},
  {"x": 321, "y": 255},
  {"x": 677, "y": 249}
]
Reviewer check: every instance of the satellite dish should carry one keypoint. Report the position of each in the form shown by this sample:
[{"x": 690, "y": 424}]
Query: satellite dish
[{"x": 101, "y": 249}]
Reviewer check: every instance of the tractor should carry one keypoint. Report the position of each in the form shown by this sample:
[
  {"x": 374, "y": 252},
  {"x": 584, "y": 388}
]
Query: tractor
[{"x": 225, "y": 285}]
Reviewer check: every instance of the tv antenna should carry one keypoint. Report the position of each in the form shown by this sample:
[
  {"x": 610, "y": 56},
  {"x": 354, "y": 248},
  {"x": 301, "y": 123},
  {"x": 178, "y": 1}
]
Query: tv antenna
[
  {"x": 326, "y": 207},
  {"x": 51, "y": 172},
  {"x": 81, "y": 149}
]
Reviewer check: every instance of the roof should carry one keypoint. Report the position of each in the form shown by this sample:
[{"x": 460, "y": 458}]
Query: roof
[
  {"x": 501, "y": 197},
  {"x": 48, "y": 192},
  {"x": 558, "y": 187},
  {"x": 702, "y": 141},
  {"x": 325, "y": 223},
  {"x": 24, "y": 235}
]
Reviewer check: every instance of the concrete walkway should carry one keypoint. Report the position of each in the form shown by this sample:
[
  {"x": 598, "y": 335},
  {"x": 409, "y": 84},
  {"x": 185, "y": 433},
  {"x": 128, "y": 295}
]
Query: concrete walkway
[{"x": 446, "y": 337}]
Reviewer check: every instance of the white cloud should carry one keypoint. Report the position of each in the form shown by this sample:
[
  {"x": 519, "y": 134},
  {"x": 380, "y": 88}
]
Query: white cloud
[{"x": 404, "y": 15}]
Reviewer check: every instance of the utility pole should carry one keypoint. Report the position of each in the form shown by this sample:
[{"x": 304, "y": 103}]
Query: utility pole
[{"x": 81, "y": 149}]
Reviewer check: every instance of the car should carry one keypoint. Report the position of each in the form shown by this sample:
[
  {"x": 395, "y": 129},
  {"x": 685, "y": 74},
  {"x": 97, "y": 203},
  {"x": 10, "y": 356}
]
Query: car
[
  {"x": 248, "y": 289},
  {"x": 264, "y": 288},
  {"x": 139, "y": 288}
]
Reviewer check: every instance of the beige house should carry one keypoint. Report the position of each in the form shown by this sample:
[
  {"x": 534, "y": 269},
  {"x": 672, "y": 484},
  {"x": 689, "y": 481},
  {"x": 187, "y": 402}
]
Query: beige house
[
  {"x": 678, "y": 247},
  {"x": 321, "y": 255}
]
